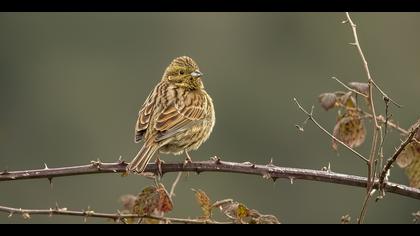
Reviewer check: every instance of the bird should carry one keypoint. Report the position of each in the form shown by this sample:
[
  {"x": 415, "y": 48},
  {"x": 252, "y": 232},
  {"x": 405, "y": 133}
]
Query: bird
[{"x": 177, "y": 116}]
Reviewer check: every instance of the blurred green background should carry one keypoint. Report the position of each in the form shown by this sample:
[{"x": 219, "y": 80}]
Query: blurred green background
[{"x": 71, "y": 85}]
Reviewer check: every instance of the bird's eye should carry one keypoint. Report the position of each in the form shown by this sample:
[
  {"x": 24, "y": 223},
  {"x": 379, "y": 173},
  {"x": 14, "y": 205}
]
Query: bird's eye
[{"x": 181, "y": 72}]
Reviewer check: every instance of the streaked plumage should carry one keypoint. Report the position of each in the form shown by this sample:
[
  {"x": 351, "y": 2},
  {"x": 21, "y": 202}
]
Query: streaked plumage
[{"x": 177, "y": 116}]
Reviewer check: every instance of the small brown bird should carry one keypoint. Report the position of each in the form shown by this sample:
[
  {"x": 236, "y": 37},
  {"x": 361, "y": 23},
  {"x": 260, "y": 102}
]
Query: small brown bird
[{"x": 177, "y": 116}]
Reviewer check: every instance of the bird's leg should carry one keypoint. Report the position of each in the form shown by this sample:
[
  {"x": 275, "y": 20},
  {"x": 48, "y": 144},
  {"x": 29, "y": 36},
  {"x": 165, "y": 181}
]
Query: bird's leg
[
  {"x": 159, "y": 163},
  {"x": 188, "y": 159}
]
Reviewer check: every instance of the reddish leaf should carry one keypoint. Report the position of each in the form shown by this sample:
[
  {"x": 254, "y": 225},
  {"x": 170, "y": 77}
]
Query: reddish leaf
[{"x": 151, "y": 200}]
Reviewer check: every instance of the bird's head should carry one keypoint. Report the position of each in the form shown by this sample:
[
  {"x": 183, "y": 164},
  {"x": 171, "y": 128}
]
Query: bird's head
[{"x": 184, "y": 72}]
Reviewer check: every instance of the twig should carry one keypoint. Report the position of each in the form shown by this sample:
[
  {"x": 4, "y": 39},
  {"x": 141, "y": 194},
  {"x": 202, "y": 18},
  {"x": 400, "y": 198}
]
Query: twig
[
  {"x": 118, "y": 217},
  {"x": 359, "y": 49},
  {"x": 394, "y": 157},
  {"x": 311, "y": 118},
  {"x": 273, "y": 171},
  {"x": 379, "y": 118},
  {"x": 178, "y": 177},
  {"x": 377, "y": 128},
  {"x": 348, "y": 88}
]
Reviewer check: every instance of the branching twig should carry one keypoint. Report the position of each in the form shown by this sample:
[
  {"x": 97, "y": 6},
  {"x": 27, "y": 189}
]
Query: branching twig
[
  {"x": 377, "y": 128},
  {"x": 311, "y": 118},
  {"x": 118, "y": 217},
  {"x": 359, "y": 49},
  {"x": 172, "y": 192},
  {"x": 272, "y": 171},
  {"x": 394, "y": 157},
  {"x": 379, "y": 118},
  {"x": 348, "y": 88}
]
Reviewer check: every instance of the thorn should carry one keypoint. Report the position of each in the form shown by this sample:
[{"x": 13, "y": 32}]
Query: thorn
[
  {"x": 274, "y": 179},
  {"x": 215, "y": 159},
  {"x": 253, "y": 166},
  {"x": 120, "y": 160},
  {"x": 45, "y": 166},
  {"x": 291, "y": 180},
  {"x": 299, "y": 128},
  {"x": 327, "y": 168},
  {"x": 50, "y": 180},
  {"x": 26, "y": 215},
  {"x": 11, "y": 214},
  {"x": 97, "y": 164},
  {"x": 353, "y": 44},
  {"x": 266, "y": 175},
  {"x": 270, "y": 163},
  {"x": 372, "y": 192},
  {"x": 344, "y": 21},
  {"x": 312, "y": 110},
  {"x": 380, "y": 197}
]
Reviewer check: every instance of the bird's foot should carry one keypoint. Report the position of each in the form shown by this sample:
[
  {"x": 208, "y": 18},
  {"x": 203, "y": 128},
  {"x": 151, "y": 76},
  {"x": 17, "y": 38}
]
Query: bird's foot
[{"x": 159, "y": 163}]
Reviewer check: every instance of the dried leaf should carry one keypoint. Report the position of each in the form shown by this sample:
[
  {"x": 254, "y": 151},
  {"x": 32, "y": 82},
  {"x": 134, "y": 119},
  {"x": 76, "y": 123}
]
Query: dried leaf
[
  {"x": 242, "y": 211},
  {"x": 204, "y": 202},
  {"x": 416, "y": 217},
  {"x": 350, "y": 130},
  {"x": 128, "y": 201},
  {"x": 265, "y": 219},
  {"x": 413, "y": 172},
  {"x": 229, "y": 209},
  {"x": 327, "y": 100},
  {"x": 151, "y": 200},
  {"x": 360, "y": 87},
  {"x": 407, "y": 156},
  {"x": 235, "y": 211}
]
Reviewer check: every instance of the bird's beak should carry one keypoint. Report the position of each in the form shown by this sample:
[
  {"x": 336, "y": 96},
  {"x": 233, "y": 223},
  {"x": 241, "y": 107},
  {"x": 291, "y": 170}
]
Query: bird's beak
[{"x": 196, "y": 74}]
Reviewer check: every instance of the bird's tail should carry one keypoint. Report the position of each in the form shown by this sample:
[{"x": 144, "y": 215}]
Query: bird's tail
[{"x": 139, "y": 163}]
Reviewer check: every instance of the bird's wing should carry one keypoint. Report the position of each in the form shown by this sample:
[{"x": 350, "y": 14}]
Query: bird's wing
[
  {"x": 181, "y": 115},
  {"x": 145, "y": 115}
]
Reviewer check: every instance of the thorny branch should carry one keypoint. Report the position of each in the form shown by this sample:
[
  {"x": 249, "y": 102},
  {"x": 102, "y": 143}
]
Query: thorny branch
[
  {"x": 377, "y": 128},
  {"x": 359, "y": 49},
  {"x": 271, "y": 171},
  {"x": 394, "y": 157}
]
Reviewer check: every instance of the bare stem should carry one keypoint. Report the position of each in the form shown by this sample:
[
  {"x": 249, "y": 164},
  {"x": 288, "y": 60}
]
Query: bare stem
[
  {"x": 178, "y": 177},
  {"x": 365, "y": 64},
  {"x": 348, "y": 88},
  {"x": 273, "y": 171},
  {"x": 394, "y": 157},
  {"x": 117, "y": 217}
]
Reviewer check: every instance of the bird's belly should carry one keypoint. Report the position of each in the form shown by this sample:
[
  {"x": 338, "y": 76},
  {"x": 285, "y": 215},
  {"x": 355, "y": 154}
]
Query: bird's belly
[{"x": 190, "y": 139}]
